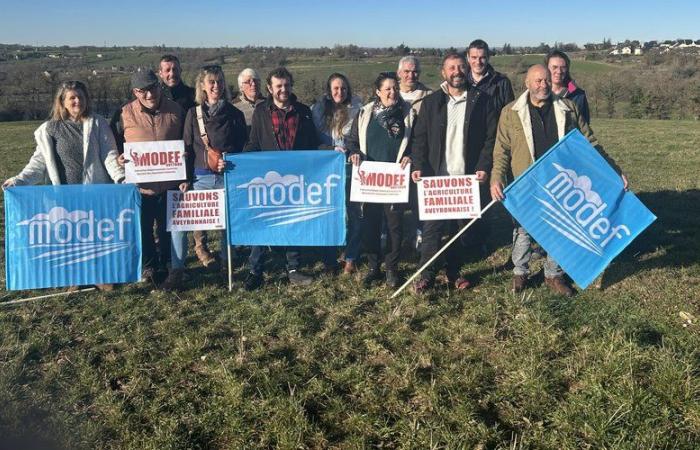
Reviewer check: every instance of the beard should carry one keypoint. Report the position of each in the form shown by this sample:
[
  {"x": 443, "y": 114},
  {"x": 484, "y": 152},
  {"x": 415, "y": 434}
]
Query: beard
[{"x": 457, "y": 81}]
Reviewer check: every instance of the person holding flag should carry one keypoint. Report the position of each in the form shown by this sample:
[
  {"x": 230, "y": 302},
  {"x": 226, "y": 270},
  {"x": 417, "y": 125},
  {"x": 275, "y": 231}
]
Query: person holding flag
[{"x": 527, "y": 128}]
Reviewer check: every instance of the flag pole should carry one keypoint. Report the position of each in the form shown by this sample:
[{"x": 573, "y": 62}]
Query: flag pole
[
  {"x": 228, "y": 244},
  {"x": 439, "y": 252}
]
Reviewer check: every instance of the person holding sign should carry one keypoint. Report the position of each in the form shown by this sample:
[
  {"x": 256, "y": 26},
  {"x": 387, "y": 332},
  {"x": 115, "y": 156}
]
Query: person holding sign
[
  {"x": 151, "y": 116},
  {"x": 74, "y": 146},
  {"x": 213, "y": 127},
  {"x": 381, "y": 132},
  {"x": 528, "y": 127},
  {"x": 454, "y": 135}
]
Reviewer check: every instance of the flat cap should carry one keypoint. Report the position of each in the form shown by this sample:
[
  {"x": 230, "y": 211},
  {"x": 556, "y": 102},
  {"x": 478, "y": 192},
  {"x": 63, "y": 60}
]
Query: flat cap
[{"x": 143, "y": 79}]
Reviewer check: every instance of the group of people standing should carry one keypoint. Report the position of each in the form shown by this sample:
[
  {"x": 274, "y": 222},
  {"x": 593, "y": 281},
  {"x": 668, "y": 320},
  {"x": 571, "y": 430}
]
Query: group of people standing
[{"x": 471, "y": 124}]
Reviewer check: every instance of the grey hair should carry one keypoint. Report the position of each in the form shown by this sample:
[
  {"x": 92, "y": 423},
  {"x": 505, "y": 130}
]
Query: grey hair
[
  {"x": 247, "y": 72},
  {"x": 409, "y": 59}
]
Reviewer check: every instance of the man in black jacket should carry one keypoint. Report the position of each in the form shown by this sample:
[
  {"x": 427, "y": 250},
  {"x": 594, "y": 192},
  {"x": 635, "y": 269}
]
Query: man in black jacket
[
  {"x": 483, "y": 76},
  {"x": 170, "y": 74},
  {"x": 454, "y": 135},
  {"x": 280, "y": 123}
]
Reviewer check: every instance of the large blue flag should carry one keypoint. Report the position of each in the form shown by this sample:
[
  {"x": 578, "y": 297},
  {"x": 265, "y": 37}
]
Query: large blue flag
[
  {"x": 286, "y": 198},
  {"x": 573, "y": 203},
  {"x": 72, "y": 235}
]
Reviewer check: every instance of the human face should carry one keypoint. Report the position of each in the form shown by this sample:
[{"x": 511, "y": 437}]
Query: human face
[
  {"x": 388, "y": 93},
  {"x": 74, "y": 103},
  {"x": 148, "y": 97},
  {"x": 213, "y": 86},
  {"x": 169, "y": 73},
  {"x": 280, "y": 89},
  {"x": 250, "y": 87},
  {"x": 339, "y": 91},
  {"x": 408, "y": 76},
  {"x": 454, "y": 71},
  {"x": 478, "y": 60},
  {"x": 537, "y": 83},
  {"x": 558, "y": 70}
]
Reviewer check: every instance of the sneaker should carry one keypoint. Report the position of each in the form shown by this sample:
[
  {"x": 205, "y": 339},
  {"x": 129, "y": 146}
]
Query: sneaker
[
  {"x": 298, "y": 278},
  {"x": 174, "y": 280},
  {"x": 421, "y": 286},
  {"x": 253, "y": 281},
  {"x": 393, "y": 279},
  {"x": 559, "y": 286},
  {"x": 460, "y": 283},
  {"x": 519, "y": 283}
]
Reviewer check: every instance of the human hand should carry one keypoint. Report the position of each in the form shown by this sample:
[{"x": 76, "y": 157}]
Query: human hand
[
  {"x": 415, "y": 176},
  {"x": 497, "y": 191},
  {"x": 355, "y": 159},
  {"x": 405, "y": 161},
  {"x": 184, "y": 186},
  {"x": 8, "y": 183},
  {"x": 481, "y": 176}
]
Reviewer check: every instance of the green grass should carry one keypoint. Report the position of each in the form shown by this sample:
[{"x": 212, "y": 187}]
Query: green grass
[{"x": 336, "y": 366}]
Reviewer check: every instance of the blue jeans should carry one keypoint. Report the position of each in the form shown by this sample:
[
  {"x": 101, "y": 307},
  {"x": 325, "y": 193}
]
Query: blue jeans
[
  {"x": 178, "y": 247},
  {"x": 522, "y": 252}
]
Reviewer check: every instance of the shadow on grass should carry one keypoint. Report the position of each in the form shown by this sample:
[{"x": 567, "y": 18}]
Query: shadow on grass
[{"x": 672, "y": 240}]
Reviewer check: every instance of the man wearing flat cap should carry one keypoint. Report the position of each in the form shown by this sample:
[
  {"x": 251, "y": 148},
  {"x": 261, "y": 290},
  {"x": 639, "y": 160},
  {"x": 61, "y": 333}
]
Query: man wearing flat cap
[{"x": 151, "y": 116}]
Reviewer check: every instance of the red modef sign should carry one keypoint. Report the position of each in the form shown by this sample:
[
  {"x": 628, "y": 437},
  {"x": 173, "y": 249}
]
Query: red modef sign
[
  {"x": 449, "y": 197},
  {"x": 379, "y": 182},
  {"x": 196, "y": 210},
  {"x": 154, "y": 161}
]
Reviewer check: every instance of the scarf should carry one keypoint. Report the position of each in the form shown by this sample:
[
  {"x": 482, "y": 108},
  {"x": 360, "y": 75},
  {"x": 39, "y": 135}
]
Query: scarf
[
  {"x": 216, "y": 107},
  {"x": 390, "y": 117}
]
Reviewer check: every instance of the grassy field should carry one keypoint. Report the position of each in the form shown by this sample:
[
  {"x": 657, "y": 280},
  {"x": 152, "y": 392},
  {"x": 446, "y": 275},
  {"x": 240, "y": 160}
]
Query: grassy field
[{"x": 335, "y": 366}]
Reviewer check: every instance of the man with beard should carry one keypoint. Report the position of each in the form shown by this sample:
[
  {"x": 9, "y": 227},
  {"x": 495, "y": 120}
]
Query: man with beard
[
  {"x": 528, "y": 127},
  {"x": 454, "y": 135},
  {"x": 280, "y": 123}
]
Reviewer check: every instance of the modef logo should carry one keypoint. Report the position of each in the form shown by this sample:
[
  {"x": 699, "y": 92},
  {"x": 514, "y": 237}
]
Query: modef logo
[
  {"x": 288, "y": 199},
  {"x": 576, "y": 211},
  {"x": 64, "y": 238}
]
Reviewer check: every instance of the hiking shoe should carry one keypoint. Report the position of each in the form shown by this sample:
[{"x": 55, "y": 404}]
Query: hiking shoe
[
  {"x": 204, "y": 256},
  {"x": 371, "y": 277},
  {"x": 459, "y": 283},
  {"x": 253, "y": 281},
  {"x": 392, "y": 279},
  {"x": 147, "y": 275},
  {"x": 174, "y": 280},
  {"x": 559, "y": 286},
  {"x": 349, "y": 268},
  {"x": 298, "y": 278},
  {"x": 105, "y": 287},
  {"x": 519, "y": 283},
  {"x": 421, "y": 286}
]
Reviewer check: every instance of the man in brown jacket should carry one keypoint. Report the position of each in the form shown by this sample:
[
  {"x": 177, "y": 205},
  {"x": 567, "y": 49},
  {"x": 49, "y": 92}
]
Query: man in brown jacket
[
  {"x": 150, "y": 117},
  {"x": 528, "y": 127}
]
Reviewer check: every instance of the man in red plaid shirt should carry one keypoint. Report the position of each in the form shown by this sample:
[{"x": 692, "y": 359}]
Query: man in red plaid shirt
[{"x": 280, "y": 123}]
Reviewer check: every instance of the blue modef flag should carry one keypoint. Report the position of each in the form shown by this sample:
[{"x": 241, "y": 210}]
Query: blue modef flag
[
  {"x": 573, "y": 203},
  {"x": 72, "y": 235},
  {"x": 286, "y": 198}
]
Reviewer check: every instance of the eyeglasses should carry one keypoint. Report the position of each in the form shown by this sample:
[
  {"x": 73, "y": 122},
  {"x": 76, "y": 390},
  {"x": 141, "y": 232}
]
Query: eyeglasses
[
  {"x": 152, "y": 88},
  {"x": 251, "y": 81}
]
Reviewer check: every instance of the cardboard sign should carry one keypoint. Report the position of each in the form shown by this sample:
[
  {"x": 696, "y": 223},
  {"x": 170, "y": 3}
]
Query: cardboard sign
[
  {"x": 196, "y": 210},
  {"x": 448, "y": 198},
  {"x": 379, "y": 182},
  {"x": 154, "y": 161}
]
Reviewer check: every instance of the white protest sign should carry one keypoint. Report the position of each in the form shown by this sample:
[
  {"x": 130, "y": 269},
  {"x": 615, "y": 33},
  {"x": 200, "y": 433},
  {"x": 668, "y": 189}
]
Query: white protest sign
[
  {"x": 379, "y": 182},
  {"x": 447, "y": 198},
  {"x": 196, "y": 210},
  {"x": 154, "y": 161}
]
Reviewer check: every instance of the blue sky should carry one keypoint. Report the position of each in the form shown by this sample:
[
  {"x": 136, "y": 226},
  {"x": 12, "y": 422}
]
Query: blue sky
[{"x": 376, "y": 23}]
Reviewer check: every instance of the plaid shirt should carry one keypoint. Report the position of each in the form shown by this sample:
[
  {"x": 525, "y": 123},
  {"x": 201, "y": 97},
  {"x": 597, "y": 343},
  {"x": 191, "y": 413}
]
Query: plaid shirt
[{"x": 284, "y": 125}]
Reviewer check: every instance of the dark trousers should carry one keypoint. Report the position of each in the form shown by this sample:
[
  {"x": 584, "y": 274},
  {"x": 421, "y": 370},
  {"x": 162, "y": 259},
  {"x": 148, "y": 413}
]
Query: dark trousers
[
  {"x": 372, "y": 230},
  {"x": 153, "y": 211},
  {"x": 256, "y": 260}
]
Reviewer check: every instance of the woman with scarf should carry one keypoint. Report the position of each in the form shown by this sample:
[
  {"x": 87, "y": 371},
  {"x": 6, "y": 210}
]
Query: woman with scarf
[
  {"x": 381, "y": 132},
  {"x": 333, "y": 114},
  {"x": 213, "y": 127}
]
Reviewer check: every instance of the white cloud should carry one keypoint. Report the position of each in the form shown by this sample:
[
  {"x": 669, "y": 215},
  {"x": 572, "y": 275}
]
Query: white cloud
[
  {"x": 57, "y": 213},
  {"x": 583, "y": 183},
  {"x": 271, "y": 178}
]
